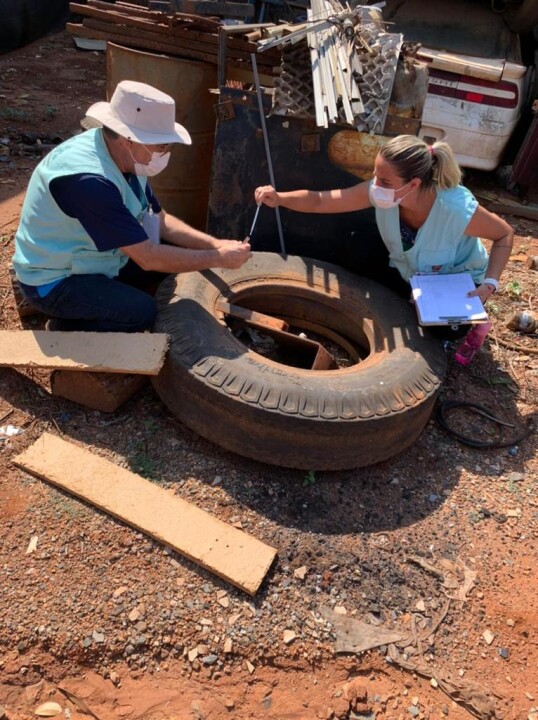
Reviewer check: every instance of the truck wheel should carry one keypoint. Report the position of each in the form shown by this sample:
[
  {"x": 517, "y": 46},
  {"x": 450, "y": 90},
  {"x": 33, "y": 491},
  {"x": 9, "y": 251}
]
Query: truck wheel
[{"x": 284, "y": 415}]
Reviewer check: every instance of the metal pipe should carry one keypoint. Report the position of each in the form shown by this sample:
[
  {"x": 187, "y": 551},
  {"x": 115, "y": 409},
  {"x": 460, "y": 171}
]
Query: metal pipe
[{"x": 267, "y": 149}]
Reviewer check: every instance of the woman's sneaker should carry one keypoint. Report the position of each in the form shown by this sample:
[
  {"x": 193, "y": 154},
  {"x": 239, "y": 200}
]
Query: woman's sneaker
[{"x": 471, "y": 344}]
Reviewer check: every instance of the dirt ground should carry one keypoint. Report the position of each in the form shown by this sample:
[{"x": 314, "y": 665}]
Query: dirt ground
[{"x": 439, "y": 543}]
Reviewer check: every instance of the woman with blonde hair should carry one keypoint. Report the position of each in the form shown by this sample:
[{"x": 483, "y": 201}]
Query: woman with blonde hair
[{"x": 427, "y": 220}]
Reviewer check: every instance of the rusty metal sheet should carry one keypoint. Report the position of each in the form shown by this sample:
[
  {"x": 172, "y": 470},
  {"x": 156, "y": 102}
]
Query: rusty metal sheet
[
  {"x": 183, "y": 188},
  {"x": 239, "y": 166}
]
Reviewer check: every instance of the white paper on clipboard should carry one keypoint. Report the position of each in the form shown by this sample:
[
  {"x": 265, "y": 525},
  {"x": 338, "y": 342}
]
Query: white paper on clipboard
[{"x": 443, "y": 299}]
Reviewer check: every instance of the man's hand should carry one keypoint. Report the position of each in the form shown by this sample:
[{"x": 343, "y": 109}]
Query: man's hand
[
  {"x": 267, "y": 195},
  {"x": 233, "y": 254}
]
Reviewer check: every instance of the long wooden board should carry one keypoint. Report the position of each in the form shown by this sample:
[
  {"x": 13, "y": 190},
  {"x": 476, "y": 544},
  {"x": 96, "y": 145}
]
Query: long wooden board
[
  {"x": 139, "y": 353},
  {"x": 220, "y": 548}
]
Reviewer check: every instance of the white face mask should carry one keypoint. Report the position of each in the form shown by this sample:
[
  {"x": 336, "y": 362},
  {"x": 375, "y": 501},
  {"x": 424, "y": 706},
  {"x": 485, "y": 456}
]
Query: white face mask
[
  {"x": 156, "y": 164},
  {"x": 384, "y": 197}
]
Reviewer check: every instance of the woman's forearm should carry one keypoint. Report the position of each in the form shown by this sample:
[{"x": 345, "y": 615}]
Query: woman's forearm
[{"x": 499, "y": 255}]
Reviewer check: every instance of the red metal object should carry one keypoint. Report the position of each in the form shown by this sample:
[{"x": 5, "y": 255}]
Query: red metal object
[{"x": 525, "y": 167}]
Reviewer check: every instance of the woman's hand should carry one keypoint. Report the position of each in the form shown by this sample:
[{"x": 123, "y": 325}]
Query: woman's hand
[
  {"x": 484, "y": 292},
  {"x": 267, "y": 195}
]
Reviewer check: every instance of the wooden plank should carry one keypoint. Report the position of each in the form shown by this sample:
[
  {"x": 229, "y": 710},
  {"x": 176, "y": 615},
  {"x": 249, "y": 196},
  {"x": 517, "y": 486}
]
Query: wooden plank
[
  {"x": 508, "y": 207},
  {"x": 216, "y": 7},
  {"x": 473, "y": 66},
  {"x": 159, "y": 43},
  {"x": 140, "y": 42},
  {"x": 184, "y": 38},
  {"x": 226, "y": 551},
  {"x": 138, "y": 353},
  {"x": 260, "y": 319},
  {"x": 127, "y": 8}
]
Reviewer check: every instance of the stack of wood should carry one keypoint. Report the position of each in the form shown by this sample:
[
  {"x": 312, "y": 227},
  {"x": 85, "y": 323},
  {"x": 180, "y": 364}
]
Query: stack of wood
[{"x": 184, "y": 35}]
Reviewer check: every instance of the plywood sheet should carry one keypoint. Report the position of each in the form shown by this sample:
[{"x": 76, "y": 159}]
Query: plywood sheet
[
  {"x": 224, "y": 550},
  {"x": 139, "y": 353}
]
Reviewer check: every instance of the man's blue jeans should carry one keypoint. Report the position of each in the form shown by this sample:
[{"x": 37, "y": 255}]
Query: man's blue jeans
[{"x": 95, "y": 303}]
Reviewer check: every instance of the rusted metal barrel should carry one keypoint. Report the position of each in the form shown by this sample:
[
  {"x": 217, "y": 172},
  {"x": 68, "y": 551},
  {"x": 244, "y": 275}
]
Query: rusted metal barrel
[{"x": 183, "y": 188}]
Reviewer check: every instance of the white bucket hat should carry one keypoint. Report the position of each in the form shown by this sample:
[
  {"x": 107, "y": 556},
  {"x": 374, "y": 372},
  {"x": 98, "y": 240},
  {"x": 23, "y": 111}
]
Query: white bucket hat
[{"x": 141, "y": 113}]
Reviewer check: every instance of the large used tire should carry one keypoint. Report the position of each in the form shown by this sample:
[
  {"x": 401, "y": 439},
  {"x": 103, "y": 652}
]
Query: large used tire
[{"x": 315, "y": 420}]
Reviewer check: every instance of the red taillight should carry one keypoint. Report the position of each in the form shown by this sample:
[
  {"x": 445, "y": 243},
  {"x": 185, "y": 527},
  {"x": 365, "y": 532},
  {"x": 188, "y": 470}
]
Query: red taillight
[{"x": 462, "y": 87}]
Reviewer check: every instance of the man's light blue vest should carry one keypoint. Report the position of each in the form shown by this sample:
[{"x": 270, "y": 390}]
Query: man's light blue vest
[
  {"x": 441, "y": 244},
  {"x": 50, "y": 245}
]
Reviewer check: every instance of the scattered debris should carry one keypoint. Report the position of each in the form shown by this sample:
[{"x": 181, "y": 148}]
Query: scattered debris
[
  {"x": 7, "y": 431},
  {"x": 48, "y": 709},
  {"x": 524, "y": 322},
  {"x": 32, "y": 545}
]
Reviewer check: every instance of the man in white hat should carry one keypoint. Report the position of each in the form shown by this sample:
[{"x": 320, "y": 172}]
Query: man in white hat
[{"x": 88, "y": 241}]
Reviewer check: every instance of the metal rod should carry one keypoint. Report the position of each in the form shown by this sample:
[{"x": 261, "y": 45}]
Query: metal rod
[
  {"x": 247, "y": 239},
  {"x": 267, "y": 149},
  {"x": 255, "y": 218}
]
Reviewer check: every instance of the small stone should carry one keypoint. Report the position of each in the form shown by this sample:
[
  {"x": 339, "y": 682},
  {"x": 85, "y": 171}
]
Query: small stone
[
  {"x": 434, "y": 683},
  {"x": 229, "y": 703},
  {"x": 209, "y": 659},
  {"x": 515, "y": 477},
  {"x": 233, "y": 619},
  {"x": 192, "y": 654},
  {"x": 228, "y": 645},
  {"x": 289, "y": 636},
  {"x": 98, "y": 637},
  {"x": 421, "y": 606},
  {"x": 86, "y": 643},
  {"x": 119, "y": 591},
  {"x": 224, "y": 602},
  {"x": 134, "y": 615},
  {"x": 216, "y": 480},
  {"x": 114, "y": 677},
  {"x": 528, "y": 695},
  {"x": 300, "y": 572},
  {"x": 340, "y": 610},
  {"x": 413, "y": 711},
  {"x": 488, "y": 636},
  {"x": 504, "y": 653},
  {"x": 250, "y": 666}
]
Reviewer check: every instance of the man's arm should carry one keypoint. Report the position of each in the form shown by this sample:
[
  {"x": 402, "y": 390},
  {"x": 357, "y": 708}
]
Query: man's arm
[
  {"x": 177, "y": 232},
  {"x": 189, "y": 249},
  {"x": 174, "y": 259}
]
